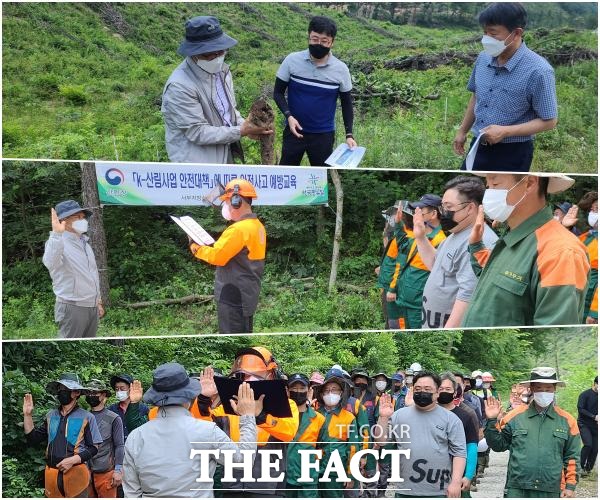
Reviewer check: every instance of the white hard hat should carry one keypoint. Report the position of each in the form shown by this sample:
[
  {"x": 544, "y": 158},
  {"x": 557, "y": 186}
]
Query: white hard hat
[
  {"x": 416, "y": 367},
  {"x": 476, "y": 373}
]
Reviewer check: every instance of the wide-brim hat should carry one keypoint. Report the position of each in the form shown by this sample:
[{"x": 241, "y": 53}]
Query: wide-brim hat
[
  {"x": 67, "y": 208},
  {"x": 203, "y": 34},
  {"x": 171, "y": 385},
  {"x": 557, "y": 182},
  {"x": 544, "y": 375},
  {"x": 69, "y": 381}
]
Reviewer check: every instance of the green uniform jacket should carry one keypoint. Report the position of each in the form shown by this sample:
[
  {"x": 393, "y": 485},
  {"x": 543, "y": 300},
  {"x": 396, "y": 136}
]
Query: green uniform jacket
[
  {"x": 541, "y": 448},
  {"x": 536, "y": 275},
  {"x": 413, "y": 275},
  {"x": 395, "y": 253},
  {"x": 306, "y": 438}
]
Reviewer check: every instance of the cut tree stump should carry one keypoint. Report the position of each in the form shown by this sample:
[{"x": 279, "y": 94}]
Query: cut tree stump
[{"x": 262, "y": 115}]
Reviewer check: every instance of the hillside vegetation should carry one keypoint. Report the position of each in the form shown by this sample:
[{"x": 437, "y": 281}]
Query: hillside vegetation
[
  {"x": 148, "y": 257},
  {"x": 84, "y": 80}
]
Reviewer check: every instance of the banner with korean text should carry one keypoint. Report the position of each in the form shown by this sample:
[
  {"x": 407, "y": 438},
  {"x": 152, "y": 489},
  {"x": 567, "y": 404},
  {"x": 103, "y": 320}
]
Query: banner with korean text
[{"x": 146, "y": 184}]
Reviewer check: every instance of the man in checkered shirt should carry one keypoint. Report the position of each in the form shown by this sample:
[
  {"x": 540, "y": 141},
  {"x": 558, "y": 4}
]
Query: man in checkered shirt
[{"x": 514, "y": 94}]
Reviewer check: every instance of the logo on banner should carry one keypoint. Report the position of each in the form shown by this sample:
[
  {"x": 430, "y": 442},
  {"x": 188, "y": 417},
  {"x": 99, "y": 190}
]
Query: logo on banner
[{"x": 114, "y": 176}]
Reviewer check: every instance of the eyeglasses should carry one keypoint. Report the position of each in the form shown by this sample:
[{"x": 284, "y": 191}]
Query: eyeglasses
[
  {"x": 325, "y": 41},
  {"x": 444, "y": 209}
]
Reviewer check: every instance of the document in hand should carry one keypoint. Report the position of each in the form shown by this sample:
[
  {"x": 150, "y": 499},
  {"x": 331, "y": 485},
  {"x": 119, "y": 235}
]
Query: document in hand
[
  {"x": 193, "y": 230},
  {"x": 275, "y": 403},
  {"x": 472, "y": 153},
  {"x": 344, "y": 157}
]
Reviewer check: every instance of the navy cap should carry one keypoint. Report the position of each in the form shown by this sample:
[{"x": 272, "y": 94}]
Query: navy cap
[
  {"x": 69, "y": 207},
  {"x": 123, "y": 377},
  {"x": 427, "y": 200},
  {"x": 563, "y": 207},
  {"x": 298, "y": 377},
  {"x": 397, "y": 377}
]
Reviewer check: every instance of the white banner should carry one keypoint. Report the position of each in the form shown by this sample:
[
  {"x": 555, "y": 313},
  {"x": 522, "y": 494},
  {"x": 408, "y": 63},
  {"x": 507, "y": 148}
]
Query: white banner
[{"x": 185, "y": 184}]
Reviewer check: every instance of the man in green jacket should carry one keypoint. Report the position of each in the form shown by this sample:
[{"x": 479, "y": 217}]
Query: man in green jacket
[{"x": 543, "y": 441}]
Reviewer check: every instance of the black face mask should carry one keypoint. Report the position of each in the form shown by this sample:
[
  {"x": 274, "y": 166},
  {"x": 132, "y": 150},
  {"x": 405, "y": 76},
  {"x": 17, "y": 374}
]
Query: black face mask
[
  {"x": 93, "y": 401},
  {"x": 397, "y": 388},
  {"x": 447, "y": 221},
  {"x": 362, "y": 387},
  {"x": 64, "y": 397},
  {"x": 445, "y": 397},
  {"x": 299, "y": 397},
  {"x": 318, "y": 51},
  {"x": 423, "y": 399},
  {"x": 467, "y": 388}
]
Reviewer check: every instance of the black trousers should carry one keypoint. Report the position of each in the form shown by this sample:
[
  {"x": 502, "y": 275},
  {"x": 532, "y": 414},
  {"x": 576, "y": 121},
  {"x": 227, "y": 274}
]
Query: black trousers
[
  {"x": 318, "y": 147},
  {"x": 503, "y": 157},
  {"x": 589, "y": 452},
  {"x": 232, "y": 319}
]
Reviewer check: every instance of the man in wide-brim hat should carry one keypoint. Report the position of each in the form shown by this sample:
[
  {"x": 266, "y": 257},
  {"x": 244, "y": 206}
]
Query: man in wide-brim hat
[
  {"x": 537, "y": 273},
  {"x": 202, "y": 123},
  {"x": 157, "y": 454},
  {"x": 542, "y": 438},
  {"x": 72, "y": 438}
]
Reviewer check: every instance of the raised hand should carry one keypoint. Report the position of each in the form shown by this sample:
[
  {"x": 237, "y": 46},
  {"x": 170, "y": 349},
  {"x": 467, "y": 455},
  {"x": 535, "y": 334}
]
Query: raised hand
[
  {"x": 57, "y": 226},
  {"x": 492, "y": 407},
  {"x": 386, "y": 406},
  {"x": 135, "y": 391},
  {"x": 207, "y": 382},
  {"x": 477, "y": 231},
  {"x": 570, "y": 218},
  {"x": 28, "y": 405},
  {"x": 245, "y": 404},
  {"x": 419, "y": 229}
]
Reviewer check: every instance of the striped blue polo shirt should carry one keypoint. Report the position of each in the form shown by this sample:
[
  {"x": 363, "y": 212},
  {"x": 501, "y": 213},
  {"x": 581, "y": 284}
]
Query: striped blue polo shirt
[
  {"x": 518, "y": 92},
  {"x": 313, "y": 90}
]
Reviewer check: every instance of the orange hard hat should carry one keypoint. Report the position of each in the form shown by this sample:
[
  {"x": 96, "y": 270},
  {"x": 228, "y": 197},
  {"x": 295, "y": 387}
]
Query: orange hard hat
[
  {"x": 254, "y": 361},
  {"x": 238, "y": 186}
]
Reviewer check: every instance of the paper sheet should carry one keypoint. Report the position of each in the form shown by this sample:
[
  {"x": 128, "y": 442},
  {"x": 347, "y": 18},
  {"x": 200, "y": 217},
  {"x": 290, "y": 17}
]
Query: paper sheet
[
  {"x": 193, "y": 230},
  {"x": 344, "y": 157},
  {"x": 472, "y": 152}
]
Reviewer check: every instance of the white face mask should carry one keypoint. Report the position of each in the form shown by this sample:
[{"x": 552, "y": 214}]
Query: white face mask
[
  {"x": 213, "y": 66},
  {"x": 494, "y": 47},
  {"x": 495, "y": 206},
  {"x": 331, "y": 399},
  {"x": 381, "y": 385},
  {"x": 478, "y": 382},
  {"x": 486, "y": 385},
  {"x": 593, "y": 218},
  {"x": 556, "y": 218},
  {"x": 543, "y": 399},
  {"x": 80, "y": 225},
  {"x": 122, "y": 395},
  {"x": 226, "y": 211},
  {"x": 525, "y": 399}
]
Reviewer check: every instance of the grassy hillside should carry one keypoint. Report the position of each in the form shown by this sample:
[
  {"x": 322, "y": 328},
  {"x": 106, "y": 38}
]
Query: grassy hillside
[{"x": 84, "y": 80}]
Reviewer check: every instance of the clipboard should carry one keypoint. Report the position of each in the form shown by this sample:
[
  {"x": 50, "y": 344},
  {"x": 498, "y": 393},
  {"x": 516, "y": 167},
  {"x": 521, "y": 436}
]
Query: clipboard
[{"x": 276, "y": 401}]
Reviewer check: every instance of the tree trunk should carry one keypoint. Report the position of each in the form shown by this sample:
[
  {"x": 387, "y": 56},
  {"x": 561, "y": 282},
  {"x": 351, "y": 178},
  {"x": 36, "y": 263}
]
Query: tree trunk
[
  {"x": 339, "y": 218},
  {"x": 89, "y": 189},
  {"x": 262, "y": 115}
]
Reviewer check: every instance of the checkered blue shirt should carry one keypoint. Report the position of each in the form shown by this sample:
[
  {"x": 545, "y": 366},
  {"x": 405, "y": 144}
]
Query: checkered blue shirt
[{"x": 518, "y": 92}]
